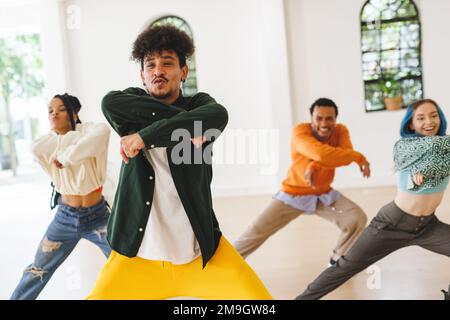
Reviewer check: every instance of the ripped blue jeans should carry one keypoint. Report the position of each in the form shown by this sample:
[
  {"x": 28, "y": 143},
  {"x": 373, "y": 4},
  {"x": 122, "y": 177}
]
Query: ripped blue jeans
[{"x": 67, "y": 228}]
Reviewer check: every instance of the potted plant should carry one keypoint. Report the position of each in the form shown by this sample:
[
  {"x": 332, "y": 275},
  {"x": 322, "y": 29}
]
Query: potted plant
[{"x": 391, "y": 90}]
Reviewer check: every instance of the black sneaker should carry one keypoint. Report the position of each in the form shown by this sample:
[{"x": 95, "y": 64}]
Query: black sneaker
[{"x": 446, "y": 294}]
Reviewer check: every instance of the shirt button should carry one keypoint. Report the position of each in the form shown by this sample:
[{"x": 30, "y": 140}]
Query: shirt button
[
  {"x": 147, "y": 203},
  {"x": 151, "y": 178},
  {"x": 153, "y": 114},
  {"x": 140, "y": 229}
]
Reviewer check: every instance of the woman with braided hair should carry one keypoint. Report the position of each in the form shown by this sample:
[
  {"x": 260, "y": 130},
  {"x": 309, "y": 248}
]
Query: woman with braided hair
[
  {"x": 74, "y": 155},
  {"x": 422, "y": 158}
]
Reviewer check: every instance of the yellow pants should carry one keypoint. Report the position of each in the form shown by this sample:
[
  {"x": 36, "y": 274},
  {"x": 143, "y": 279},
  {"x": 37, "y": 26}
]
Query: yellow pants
[{"x": 226, "y": 276}]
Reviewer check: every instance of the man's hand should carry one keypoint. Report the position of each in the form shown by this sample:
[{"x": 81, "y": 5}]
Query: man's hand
[
  {"x": 58, "y": 164},
  {"x": 418, "y": 179},
  {"x": 198, "y": 141},
  {"x": 130, "y": 146},
  {"x": 365, "y": 169},
  {"x": 309, "y": 178},
  {"x": 123, "y": 155}
]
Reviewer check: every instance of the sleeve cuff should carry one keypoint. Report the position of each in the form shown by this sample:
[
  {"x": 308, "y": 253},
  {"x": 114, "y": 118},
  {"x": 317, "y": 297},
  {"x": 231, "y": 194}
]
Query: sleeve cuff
[
  {"x": 147, "y": 135},
  {"x": 62, "y": 159},
  {"x": 311, "y": 166},
  {"x": 360, "y": 159}
]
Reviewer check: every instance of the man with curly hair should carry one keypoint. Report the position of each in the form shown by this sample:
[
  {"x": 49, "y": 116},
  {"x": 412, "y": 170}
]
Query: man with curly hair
[{"x": 164, "y": 234}]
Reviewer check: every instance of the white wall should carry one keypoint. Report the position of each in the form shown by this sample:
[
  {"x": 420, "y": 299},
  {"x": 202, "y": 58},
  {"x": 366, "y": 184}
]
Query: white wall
[
  {"x": 18, "y": 16},
  {"x": 325, "y": 59},
  {"x": 436, "y": 50},
  {"x": 241, "y": 61},
  {"x": 54, "y": 47},
  {"x": 265, "y": 60}
]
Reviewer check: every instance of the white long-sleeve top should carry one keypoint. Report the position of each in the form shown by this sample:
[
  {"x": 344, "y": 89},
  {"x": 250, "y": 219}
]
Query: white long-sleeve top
[{"x": 83, "y": 152}]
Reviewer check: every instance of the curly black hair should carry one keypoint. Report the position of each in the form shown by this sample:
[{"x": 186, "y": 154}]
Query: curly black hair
[{"x": 159, "y": 38}]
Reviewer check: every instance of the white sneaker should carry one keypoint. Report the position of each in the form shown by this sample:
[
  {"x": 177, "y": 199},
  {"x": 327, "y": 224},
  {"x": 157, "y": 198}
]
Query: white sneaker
[{"x": 332, "y": 263}]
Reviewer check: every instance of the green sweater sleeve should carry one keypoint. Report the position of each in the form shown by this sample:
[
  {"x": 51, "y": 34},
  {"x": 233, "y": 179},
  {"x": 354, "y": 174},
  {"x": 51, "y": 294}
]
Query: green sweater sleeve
[
  {"x": 132, "y": 109},
  {"x": 204, "y": 114}
]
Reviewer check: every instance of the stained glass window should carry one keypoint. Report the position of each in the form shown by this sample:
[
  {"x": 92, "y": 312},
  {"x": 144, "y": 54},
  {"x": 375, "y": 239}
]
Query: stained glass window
[{"x": 391, "y": 53}]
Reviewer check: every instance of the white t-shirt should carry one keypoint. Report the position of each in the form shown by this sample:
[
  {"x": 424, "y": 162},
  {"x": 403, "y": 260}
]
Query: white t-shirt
[{"x": 168, "y": 235}]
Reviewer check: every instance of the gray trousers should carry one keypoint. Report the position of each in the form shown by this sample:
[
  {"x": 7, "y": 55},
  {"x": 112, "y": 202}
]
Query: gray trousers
[
  {"x": 390, "y": 230},
  {"x": 344, "y": 213}
]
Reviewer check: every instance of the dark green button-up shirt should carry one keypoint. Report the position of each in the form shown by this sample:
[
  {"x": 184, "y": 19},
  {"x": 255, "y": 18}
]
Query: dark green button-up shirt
[{"x": 133, "y": 110}]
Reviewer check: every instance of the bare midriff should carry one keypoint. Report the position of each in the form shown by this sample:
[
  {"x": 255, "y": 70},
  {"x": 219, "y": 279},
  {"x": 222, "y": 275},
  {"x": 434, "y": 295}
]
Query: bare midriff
[
  {"x": 87, "y": 200},
  {"x": 418, "y": 204}
]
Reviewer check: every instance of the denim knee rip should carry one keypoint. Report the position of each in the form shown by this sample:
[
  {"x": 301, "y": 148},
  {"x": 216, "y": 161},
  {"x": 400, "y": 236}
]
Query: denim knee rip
[{"x": 49, "y": 245}]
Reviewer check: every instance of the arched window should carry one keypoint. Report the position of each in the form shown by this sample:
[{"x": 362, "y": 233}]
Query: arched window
[
  {"x": 391, "y": 54},
  {"x": 189, "y": 87}
]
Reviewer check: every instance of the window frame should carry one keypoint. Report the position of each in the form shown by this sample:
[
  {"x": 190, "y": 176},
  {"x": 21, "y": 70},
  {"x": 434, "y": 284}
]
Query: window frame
[{"x": 378, "y": 27}]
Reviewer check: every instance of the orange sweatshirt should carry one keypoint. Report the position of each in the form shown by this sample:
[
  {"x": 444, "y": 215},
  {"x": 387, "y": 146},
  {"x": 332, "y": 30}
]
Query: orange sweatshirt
[{"x": 322, "y": 157}]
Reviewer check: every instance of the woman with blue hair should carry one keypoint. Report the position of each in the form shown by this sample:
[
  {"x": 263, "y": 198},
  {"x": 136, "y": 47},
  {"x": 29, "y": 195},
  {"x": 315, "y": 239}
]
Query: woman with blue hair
[{"x": 422, "y": 158}]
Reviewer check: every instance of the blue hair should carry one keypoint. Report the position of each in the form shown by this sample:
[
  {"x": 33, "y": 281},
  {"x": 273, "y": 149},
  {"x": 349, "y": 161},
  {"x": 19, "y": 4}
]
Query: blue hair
[{"x": 405, "y": 130}]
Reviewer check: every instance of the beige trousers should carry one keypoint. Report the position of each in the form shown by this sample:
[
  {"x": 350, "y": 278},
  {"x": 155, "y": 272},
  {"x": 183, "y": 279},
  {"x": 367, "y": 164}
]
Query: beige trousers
[{"x": 344, "y": 213}]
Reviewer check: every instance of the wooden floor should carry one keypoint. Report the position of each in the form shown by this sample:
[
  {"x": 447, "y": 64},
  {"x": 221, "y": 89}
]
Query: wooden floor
[
  {"x": 286, "y": 263},
  {"x": 293, "y": 257}
]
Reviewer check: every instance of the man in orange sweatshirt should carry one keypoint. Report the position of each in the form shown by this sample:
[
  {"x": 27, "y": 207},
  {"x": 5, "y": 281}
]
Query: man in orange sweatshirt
[{"x": 318, "y": 148}]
